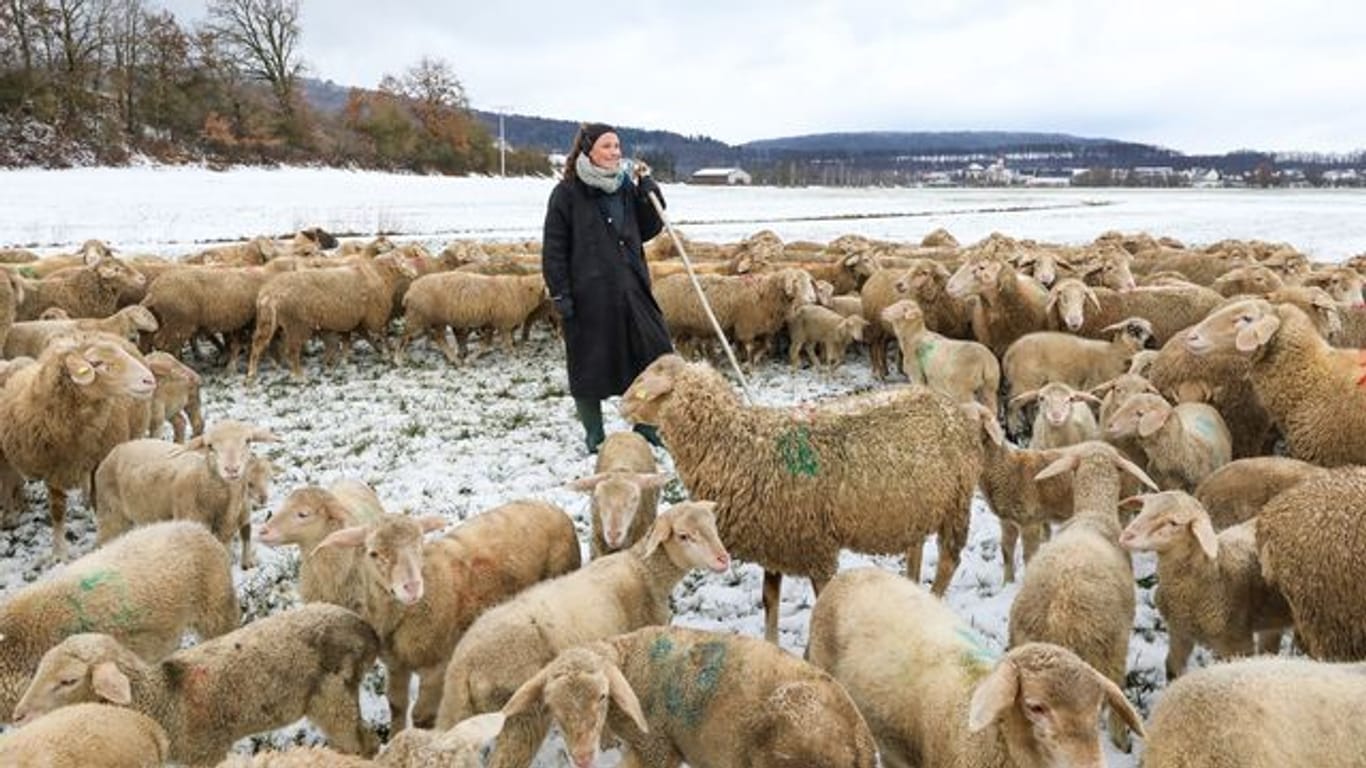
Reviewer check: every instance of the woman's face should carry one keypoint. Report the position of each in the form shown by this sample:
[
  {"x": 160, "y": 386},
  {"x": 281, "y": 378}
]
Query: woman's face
[{"x": 606, "y": 151}]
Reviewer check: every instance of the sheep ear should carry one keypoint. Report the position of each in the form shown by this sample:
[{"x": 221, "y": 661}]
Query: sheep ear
[
  {"x": 1120, "y": 705},
  {"x": 1150, "y": 422},
  {"x": 586, "y": 484},
  {"x": 1257, "y": 333},
  {"x": 1024, "y": 397},
  {"x": 660, "y": 532},
  {"x": 1064, "y": 464},
  {"x": 1205, "y": 535},
  {"x": 346, "y": 537},
  {"x": 625, "y": 698},
  {"x": 650, "y": 481},
  {"x": 193, "y": 444},
  {"x": 1136, "y": 471},
  {"x": 111, "y": 684},
  {"x": 263, "y": 435},
  {"x": 650, "y": 385},
  {"x": 1091, "y": 297},
  {"x": 994, "y": 695},
  {"x": 79, "y": 369},
  {"x": 527, "y": 699}
]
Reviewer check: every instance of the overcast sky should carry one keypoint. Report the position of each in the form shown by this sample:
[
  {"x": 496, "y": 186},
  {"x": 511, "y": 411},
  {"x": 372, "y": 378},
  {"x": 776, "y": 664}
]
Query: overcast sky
[{"x": 1193, "y": 75}]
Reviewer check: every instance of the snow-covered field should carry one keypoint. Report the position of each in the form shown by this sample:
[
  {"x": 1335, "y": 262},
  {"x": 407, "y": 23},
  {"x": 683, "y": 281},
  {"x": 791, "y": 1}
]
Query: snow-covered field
[{"x": 453, "y": 441}]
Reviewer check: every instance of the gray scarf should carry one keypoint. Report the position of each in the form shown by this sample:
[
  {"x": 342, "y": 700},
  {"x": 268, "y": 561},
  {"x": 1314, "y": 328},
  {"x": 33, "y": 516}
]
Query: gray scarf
[{"x": 593, "y": 176}]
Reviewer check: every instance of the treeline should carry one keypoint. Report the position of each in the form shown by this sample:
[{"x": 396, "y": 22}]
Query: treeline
[{"x": 111, "y": 78}]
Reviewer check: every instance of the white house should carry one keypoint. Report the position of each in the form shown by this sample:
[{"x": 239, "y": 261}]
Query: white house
[{"x": 720, "y": 176}]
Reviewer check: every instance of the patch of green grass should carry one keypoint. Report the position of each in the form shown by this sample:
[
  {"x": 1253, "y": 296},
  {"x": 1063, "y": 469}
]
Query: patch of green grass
[
  {"x": 413, "y": 429},
  {"x": 362, "y": 445}
]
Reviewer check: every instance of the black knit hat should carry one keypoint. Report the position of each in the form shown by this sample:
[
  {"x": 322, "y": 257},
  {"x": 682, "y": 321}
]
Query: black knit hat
[{"x": 591, "y": 132}]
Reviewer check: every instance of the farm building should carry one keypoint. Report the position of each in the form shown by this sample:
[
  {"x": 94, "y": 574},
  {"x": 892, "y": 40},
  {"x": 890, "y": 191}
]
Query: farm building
[{"x": 724, "y": 176}]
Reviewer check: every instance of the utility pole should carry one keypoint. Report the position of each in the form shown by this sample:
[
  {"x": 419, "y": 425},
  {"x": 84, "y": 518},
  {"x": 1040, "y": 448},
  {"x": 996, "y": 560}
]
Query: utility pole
[{"x": 502, "y": 142}]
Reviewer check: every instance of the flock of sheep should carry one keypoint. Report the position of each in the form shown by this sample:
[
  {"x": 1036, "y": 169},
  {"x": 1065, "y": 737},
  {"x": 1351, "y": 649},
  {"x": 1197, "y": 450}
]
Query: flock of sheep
[{"x": 1204, "y": 404}]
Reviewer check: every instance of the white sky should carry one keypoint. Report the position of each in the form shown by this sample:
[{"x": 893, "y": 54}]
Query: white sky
[{"x": 1194, "y": 75}]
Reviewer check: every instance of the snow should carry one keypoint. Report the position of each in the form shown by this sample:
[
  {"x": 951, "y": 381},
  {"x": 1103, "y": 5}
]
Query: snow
[{"x": 453, "y": 441}]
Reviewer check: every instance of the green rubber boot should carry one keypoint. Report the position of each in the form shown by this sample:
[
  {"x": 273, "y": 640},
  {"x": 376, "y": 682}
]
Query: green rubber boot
[
  {"x": 650, "y": 434},
  {"x": 590, "y": 415}
]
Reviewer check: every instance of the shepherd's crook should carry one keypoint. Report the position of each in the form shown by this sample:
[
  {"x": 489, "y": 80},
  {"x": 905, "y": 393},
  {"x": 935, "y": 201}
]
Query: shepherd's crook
[{"x": 716, "y": 326}]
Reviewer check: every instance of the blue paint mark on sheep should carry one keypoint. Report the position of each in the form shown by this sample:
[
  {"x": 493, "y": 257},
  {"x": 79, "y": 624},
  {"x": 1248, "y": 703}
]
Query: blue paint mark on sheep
[
  {"x": 977, "y": 653},
  {"x": 798, "y": 455},
  {"x": 687, "y": 679}
]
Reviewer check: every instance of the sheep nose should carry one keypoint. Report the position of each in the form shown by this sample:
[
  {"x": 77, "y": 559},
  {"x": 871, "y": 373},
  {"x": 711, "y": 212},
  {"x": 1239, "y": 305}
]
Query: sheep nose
[
  {"x": 410, "y": 592},
  {"x": 722, "y": 562},
  {"x": 584, "y": 761}
]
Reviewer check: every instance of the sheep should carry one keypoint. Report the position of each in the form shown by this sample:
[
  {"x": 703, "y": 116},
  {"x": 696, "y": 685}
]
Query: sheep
[
  {"x": 176, "y": 398},
  {"x": 1115, "y": 393},
  {"x": 143, "y": 481},
  {"x": 465, "y": 301},
  {"x": 467, "y": 744},
  {"x": 1315, "y": 394},
  {"x": 1252, "y": 278},
  {"x": 354, "y": 297},
  {"x": 962, "y": 370},
  {"x": 925, "y": 281},
  {"x": 795, "y": 485},
  {"x": 707, "y": 698},
  {"x": 85, "y": 735},
  {"x": 624, "y": 591},
  {"x": 749, "y": 308},
  {"x": 1064, "y": 416},
  {"x": 1184, "y": 443},
  {"x": 1308, "y": 541},
  {"x": 28, "y": 339},
  {"x": 1009, "y": 304},
  {"x": 1109, "y": 268},
  {"x": 1342, "y": 283},
  {"x": 1079, "y": 589},
  {"x": 1238, "y": 490},
  {"x": 421, "y": 598},
  {"x": 200, "y": 300},
  {"x": 1169, "y": 309},
  {"x": 882, "y": 289},
  {"x": 303, "y": 662},
  {"x": 624, "y": 488},
  {"x": 11, "y": 296},
  {"x": 1221, "y": 380},
  {"x": 1043, "y": 356},
  {"x": 122, "y": 589},
  {"x": 1209, "y": 585},
  {"x": 90, "y": 291},
  {"x": 55, "y": 411},
  {"x": 1261, "y": 713},
  {"x": 934, "y": 694},
  {"x": 816, "y": 325},
  {"x": 306, "y": 517},
  {"x": 299, "y": 757}
]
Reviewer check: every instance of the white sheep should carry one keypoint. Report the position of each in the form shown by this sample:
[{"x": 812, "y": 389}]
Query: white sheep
[
  {"x": 1064, "y": 416},
  {"x": 612, "y": 595},
  {"x": 624, "y": 488},
  {"x": 176, "y": 398},
  {"x": 817, "y": 326},
  {"x": 464, "y": 302},
  {"x": 306, "y": 517},
  {"x": 467, "y": 744},
  {"x": 934, "y": 693},
  {"x": 304, "y": 662},
  {"x": 1238, "y": 490},
  {"x": 85, "y": 735},
  {"x": 1209, "y": 585},
  {"x": 1184, "y": 443},
  {"x": 1009, "y": 304},
  {"x": 30, "y": 338},
  {"x": 962, "y": 370}
]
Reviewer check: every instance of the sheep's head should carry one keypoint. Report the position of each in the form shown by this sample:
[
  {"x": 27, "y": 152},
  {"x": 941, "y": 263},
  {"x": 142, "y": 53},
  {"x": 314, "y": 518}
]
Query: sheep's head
[
  {"x": 641, "y": 402},
  {"x": 1142, "y": 415},
  {"x": 1253, "y": 278},
  {"x": 94, "y": 251},
  {"x": 825, "y": 291},
  {"x": 1321, "y": 308},
  {"x": 307, "y": 514},
  {"x": 798, "y": 286},
  {"x": 114, "y": 272},
  {"x": 977, "y": 276},
  {"x": 1244, "y": 326},
  {"x": 104, "y": 367},
  {"x": 1056, "y": 401},
  {"x": 1134, "y": 332},
  {"x": 905, "y": 315},
  {"x": 687, "y": 531},
  {"x": 228, "y": 446},
  {"x": 1048, "y": 692},
  {"x": 83, "y": 667},
  {"x": 1141, "y": 362},
  {"x": 1065, "y": 460},
  {"x": 1166, "y": 520},
  {"x": 1069, "y": 297},
  {"x": 852, "y": 327},
  {"x": 577, "y": 689},
  {"x": 54, "y": 313},
  {"x": 139, "y": 318},
  {"x": 1112, "y": 270},
  {"x": 393, "y": 551},
  {"x": 616, "y": 497},
  {"x": 1122, "y": 387},
  {"x": 1345, "y": 287},
  {"x": 166, "y": 368},
  {"x": 259, "y": 473}
]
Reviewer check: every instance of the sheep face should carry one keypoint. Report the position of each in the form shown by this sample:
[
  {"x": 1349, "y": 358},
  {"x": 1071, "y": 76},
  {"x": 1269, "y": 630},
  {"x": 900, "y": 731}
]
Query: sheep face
[
  {"x": 687, "y": 531},
  {"x": 905, "y": 317},
  {"x": 1345, "y": 286},
  {"x": 641, "y": 402},
  {"x": 107, "y": 370},
  {"x": 1135, "y": 332},
  {"x": 922, "y": 276},
  {"x": 1244, "y": 326},
  {"x": 84, "y": 667},
  {"x": 1114, "y": 271},
  {"x": 1250, "y": 279},
  {"x": 1069, "y": 297},
  {"x": 119, "y": 274},
  {"x": 976, "y": 277},
  {"x": 259, "y": 473},
  {"x": 1055, "y": 697},
  {"x": 616, "y": 497},
  {"x": 1056, "y": 402},
  {"x": 799, "y": 287},
  {"x": 304, "y": 516},
  {"x": 1142, "y": 415},
  {"x": 1166, "y": 520},
  {"x": 228, "y": 445},
  {"x": 393, "y": 552}
]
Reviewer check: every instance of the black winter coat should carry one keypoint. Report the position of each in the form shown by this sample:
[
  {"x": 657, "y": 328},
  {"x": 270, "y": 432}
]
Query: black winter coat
[{"x": 594, "y": 267}]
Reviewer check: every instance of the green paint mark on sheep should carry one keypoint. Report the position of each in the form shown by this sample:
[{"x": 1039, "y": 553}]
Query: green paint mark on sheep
[
  {"x": 794, "y": 446},
  {"x": 98, "y": 617},
  {"x": 977, "y": 655},
  {"x": 687, "y": 679},
  {"x": 923, "y": 353},
  {"x": 28, "y": 272}
]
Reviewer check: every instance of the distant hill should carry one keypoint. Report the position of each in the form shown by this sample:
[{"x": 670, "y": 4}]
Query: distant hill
[{"x": 919, "y": 142}]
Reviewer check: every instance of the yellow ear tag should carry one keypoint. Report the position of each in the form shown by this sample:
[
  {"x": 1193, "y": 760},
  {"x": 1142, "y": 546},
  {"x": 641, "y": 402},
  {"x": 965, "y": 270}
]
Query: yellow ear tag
[
  {"x": 83, "y": 371},
  {"x": 642, "y": 394}
]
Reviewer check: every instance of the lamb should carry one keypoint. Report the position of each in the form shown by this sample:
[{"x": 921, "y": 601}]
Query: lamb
[
  {"x": 1220, "y": 379},
  {"x": 749, "y": 308},
  {"x": 1170, "y": 309},
  {"x": 90, "y": 291},
  {"x": 176, "y": 398},
  {"x": 1079, "y": 589},
  {"x": 55, "y": 411},
  {"x": 121, "y": 589},
  {"x": 306, "y": 517},
  {"x": 1261, "y": 713},
  {"x": 1209, "y": 586},
  {"x": 1308, "y": 541},
  {"x": 934, "y": 694},
  {"x": 962, "y": 370},
  {"x": 1043, "y": 356},
  {"x": 795, "y": 485},
  {"x": 1009, "y": 304},
  {"x": 143, "y": 481},
  {"x": 1115, "y": 393},
  {"x": 421, "y": 598},
  {"x": 466, "y": 745},
  {"x": 28, "y": 339},
  {"x": 1184, "y": 443},
  {"x": 1064, "y": 416},
  {"x": 625, "y": 490},
  {"x": 304, "y": 662},
  {"x": 355, "y": 297},
  {"x": 1316, "y": 395},
  {"x": 85, "y": 735},
  {"x": 621, "y": 592},
  {"x": 1238, "y": 490},
  {"x": 707, "y": 698},
  {"x": 465, "y": 301},
  {"x": 815, "y": 325}
]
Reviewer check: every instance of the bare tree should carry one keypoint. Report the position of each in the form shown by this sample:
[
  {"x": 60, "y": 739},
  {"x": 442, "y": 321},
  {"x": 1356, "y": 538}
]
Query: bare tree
[
  {"x": 431, "y": 82},
  {"x": 127, "y": 38},
  {"x": 263, "y": 37}
]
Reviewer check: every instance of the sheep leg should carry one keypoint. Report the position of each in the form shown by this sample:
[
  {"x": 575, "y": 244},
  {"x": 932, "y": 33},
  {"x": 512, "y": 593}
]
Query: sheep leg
[
  {"x": 57, "y": 510},
  {"x": 335, "y": 708},
  {"x": 248, "y": 561},
  {"x": 1010, "y": 532},
  {"x": 913, "y": 555},
  {"x": 431, "y": 682},
  {"x": 177, "y": 427},
  {"x": 331, "y": 346},
  {"x": 196, "y": 413},
  {"x": 1179, "y": 647},
  {"x": 396, "y": 689},
  {"x": 1269, "y": 642},
  {"x": 773, "y": 589},
  {"x": 794, "y": 353},
  {"x": 1033, "y": 535},
  {"x": 507, "y": 337},
  {"x": 444, "y": 344},
  {"x": 410, "y": 332},
  {"x": 948, "y": 563},
  {"x": 877, "y": 356},
  {"x": 462, "y": 336}
]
